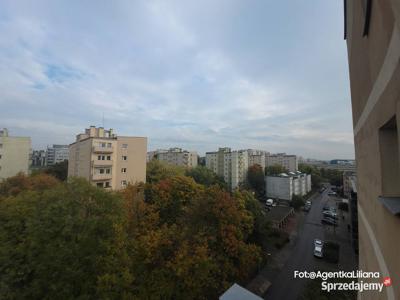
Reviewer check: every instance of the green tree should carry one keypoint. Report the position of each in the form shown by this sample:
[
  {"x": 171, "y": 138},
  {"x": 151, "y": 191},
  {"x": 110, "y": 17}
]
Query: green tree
[
  {"x": 158, "y": 170},
  {"x": 275, "y": 170},
  {"x": 58, "y": 242},
  {"x": 256, "y": 179},
  {"x": 205, "y": 176},
  {"x": 58, "y": 170},
  {"x": 297, "y": 201}
]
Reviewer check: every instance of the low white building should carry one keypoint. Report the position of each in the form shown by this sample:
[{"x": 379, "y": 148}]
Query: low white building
[{"x": 285, "y": 185}]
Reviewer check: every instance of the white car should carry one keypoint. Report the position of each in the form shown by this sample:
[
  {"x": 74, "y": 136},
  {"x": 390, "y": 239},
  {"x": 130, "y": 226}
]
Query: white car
[{"x": 318, "y": 245}]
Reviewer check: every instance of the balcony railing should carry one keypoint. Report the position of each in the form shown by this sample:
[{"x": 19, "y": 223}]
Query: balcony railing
[
  {"x": 99, "y": 163},
  {"x": 100, "y": 149},
  {"x": 101, "y": 176}
]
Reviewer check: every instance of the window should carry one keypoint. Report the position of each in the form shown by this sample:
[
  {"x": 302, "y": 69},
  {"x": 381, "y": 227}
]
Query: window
[
  {"x": 109, "y": 145},
  {"x": 123, "y": 183},
  {"x": 99, "y": 157},
  {"x": 124, "y": 157},
  {"x": 389, "y": 155},
  {"x": 124, "y": 146},
  {"x": 0, "y": 156},
  {"x": 108, "y": 157},
  {"x": 107, "y": 184},
  {"x": 101, "y": 171},
  {"x": 99, "y": 184},
  {"x": 123, "y": 170},
  {"x": 1, "y": 146},
  {"x": 103, "y": 145},
  {"x": 108, "y": 171}
]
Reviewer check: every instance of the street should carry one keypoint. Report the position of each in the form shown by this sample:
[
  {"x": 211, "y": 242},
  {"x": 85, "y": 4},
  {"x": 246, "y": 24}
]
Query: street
[{"x": 284, "y": 285}]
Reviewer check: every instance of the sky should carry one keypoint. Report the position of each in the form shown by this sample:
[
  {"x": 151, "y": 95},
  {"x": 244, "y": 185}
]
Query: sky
[{"x": 267, "y": 74}]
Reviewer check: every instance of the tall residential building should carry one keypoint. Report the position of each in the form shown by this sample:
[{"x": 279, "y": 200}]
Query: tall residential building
[
  {"x": 57, "y": 154},
  {"x": 108, "y": 160},
  {"x": 14, "y": 154},
  {"x": 38, "y": 158},
  {"x": 257, "y": 157},
  {"x": 289, "y": 162},
  {"x": 175, "y": 156},
  {"x": 231, "y": 165},
  {"x": 373, "y": 44}
]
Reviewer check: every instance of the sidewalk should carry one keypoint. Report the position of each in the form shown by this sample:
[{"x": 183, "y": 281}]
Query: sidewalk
[{"x": 260, "y": 284}]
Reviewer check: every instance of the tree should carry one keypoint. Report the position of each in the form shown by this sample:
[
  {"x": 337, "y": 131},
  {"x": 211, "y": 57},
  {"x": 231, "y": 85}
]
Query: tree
[
  {"x": 297, "y": 201},
  {"x": 158, "y": 170},
  {"x": 205, "y": 176},
  {"x": 58, "y": 170},
  {"x": 57, "y": 243},
  {"x": 256, "y": 179},
  {"x": 275, "y": 170},
  {"x": 316, "y": 177}
]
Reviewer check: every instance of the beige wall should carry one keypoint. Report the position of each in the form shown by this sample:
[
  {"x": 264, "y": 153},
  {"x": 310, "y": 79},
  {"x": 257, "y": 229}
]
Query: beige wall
[
  {"x": 14, "y": 153},
  {"x": 375, "y": 92},
  {"x": 105, "y": 165},
  {"x": 136, "y": 160}
]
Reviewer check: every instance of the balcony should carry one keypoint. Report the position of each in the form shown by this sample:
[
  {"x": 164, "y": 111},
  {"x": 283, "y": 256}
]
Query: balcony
[
  {"x": 100, "y": 149},
  {"x": 101, "y": 176},
  {"x": 100, "y": 163}
]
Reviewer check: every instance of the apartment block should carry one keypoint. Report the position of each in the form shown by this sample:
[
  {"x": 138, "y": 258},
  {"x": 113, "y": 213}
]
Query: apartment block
[
  {"x": 14, "y": 154},
  {"x": 38, "y": 158},
  {"x": 175, "y": 156},
  {"x": 231, "y": 165},
  {"x": 283, "y": 186},
  {"x": 257, "y": 157},
  {"x": 57, "y": 154},
  {"x": 289, "y": 162},
  {"x": 372, "y": 33},
  {"x": 107, "y": 160}
]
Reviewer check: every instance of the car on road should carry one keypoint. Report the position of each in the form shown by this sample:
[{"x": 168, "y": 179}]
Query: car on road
[
  {"x": 332, "y": 194},
  {"x": 329, "y": 221},
  {"x": 270, "y": 202},
  {"x": 307, "y": 208},
  {"x": 308, "y": 202},
  {"x": 318, "y": 245},
  {"x": 326, "y": 207},
  {"x": 330, "y": 214}
]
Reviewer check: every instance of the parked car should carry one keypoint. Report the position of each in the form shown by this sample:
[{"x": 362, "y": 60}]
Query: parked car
[
  {"x": 308, "y": 202},
  {"x": 318, "y": 245},
  {"x": 329, "y": 214},
  {"x": 329, "y": 221},
  {"x": 332, "y": 194},
  {"x": 307, "y": 208},
  {"x": 326, "y": 208},
  {"x": 270, "y": 202}
]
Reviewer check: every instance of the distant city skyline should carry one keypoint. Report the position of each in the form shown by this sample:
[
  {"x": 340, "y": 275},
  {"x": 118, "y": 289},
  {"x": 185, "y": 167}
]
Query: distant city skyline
[{"x": 198, "y": 75}]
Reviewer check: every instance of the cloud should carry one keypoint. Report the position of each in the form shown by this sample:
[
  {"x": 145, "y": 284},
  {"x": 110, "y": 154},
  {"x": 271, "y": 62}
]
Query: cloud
[{"x": 184, "y": 73}]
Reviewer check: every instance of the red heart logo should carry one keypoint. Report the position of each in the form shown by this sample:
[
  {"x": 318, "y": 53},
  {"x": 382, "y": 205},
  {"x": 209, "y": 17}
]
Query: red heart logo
[{"x": 387, "y": 281}]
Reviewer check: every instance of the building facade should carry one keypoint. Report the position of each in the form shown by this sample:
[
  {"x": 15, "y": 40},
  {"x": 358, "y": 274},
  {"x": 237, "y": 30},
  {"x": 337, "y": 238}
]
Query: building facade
[
  {"x": 57, "y": 154},
  {"x": 175, "y": 156},
  {"x": 38, "y": 158},
  {"x": 14, "y": 154},
  {"x": 289, "y": 162},
  {"x": 231, "y": 165},
  {"x": 373, "y": 44},
  {"x": 283, "y": 186},
  {"x": 107, "y": 160}
]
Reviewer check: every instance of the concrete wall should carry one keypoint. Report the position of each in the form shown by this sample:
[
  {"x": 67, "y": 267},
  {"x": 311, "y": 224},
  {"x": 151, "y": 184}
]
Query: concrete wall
[
  {"x": 14, "y": 152},
  {"x": 375, "y": 92}
]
